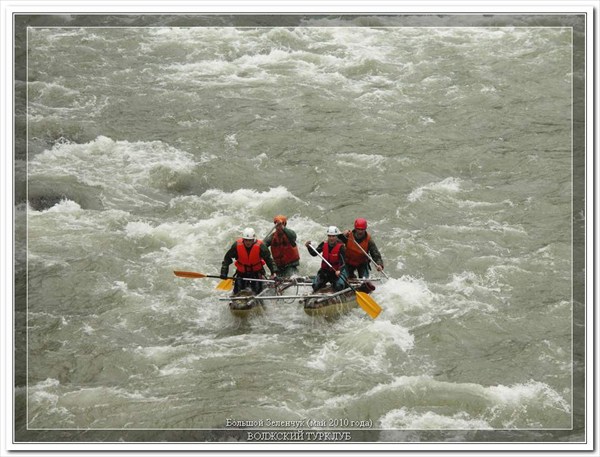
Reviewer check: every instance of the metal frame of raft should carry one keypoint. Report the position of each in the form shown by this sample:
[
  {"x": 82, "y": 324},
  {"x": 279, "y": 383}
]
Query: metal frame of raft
[{"x": 329, "y": 303}]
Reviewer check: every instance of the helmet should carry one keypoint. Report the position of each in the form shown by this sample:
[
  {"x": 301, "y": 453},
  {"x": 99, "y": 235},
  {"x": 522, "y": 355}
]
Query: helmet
[
  {"x": 280, "y": 220},
  {"x": 333, "y": 230},
  {"x": 360, "y": 224},
  {"x": 248, "y": 234}
]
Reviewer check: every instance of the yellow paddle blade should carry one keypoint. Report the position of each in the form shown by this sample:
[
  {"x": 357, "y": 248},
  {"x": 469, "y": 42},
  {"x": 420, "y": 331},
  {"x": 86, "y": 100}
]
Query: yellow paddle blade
[
  {"x": 226, "y": 284},
  {"x": 368, "y": 304},
  {"x": 189, "y": 274}
]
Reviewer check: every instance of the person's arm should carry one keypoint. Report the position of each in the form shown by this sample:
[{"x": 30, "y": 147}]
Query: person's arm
[
  {"x": 342, "y": 257},
  {"x": 268, "y": 240},
  {"x": 228, "y": 259},
  {"x": 311, "y": 249},
  {"x": 291, "y": 236},
  {"x": 374, "y": 253},
  {"x": 266, "y": 256}
]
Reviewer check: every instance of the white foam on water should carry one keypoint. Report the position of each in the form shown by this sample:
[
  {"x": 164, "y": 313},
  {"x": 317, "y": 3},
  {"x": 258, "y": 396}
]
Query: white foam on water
[
  {"x": 102, "y": 395},
  {"x": 355, "y": 160},
  {"x": 405, "y": 293},
  {"x": 483, "y": 204},
  {"x": 421, "y": 402},
  {"x": 124, "y": 171},
  {"x": 246, "y": 198},
  {"x": 478, "y": 226},
  {"x": 446, "y": 186},
  {"x": 353, "y": 344},
  {"x": 406, "y": 419},
  {"x": 322, "y": 360},
  {"x": 530, "y": 393},
  {"x": 500, "y": 406},
  {"x": 64, "y": 206},
  {"x": 468, "y": 282}
]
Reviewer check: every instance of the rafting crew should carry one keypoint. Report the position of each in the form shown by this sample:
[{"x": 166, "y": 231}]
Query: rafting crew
[
  {"x": 332, "y": 268},
  {"x": 251, "y": 255},
  {"x": 359, "y": 246},
  {"x": 283, "y": 247}
]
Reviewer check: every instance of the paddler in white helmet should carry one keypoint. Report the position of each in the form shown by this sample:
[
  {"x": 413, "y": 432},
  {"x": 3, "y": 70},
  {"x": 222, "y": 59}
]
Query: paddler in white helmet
[
  {"x": 251, "y": 255},
  {"x": 333, "y": 251}
]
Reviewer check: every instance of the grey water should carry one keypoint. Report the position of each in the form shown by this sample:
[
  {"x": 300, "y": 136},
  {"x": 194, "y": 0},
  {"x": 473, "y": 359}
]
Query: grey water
[{"x": 150, "y": 148}]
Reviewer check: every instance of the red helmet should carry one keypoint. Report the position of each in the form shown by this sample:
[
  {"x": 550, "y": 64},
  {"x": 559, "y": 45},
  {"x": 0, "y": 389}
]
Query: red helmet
[
  {"x": 360, "y": 224},
  {"x": 280, "y": 219}
]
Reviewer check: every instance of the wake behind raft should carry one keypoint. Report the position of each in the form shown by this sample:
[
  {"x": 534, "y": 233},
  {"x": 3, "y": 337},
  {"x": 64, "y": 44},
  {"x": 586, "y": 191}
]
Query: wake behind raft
[{"x": 324, "y": 302}]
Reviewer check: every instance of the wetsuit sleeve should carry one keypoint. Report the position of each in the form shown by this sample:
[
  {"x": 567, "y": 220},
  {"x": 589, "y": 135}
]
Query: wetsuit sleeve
[
  {"x": 266, "y": 256},
  {"x": 228, "y": 259},
  {"x": 267, "y": 241},
  {"x": 319, "y": 249},
  {"x": 374, "y": 252},
  {"x": 342, "y": 256},
  {"x": 291, "y": 236}
]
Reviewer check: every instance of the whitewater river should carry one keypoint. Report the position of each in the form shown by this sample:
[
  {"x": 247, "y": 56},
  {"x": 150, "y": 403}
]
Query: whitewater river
[{"x": 149, "y": 149}]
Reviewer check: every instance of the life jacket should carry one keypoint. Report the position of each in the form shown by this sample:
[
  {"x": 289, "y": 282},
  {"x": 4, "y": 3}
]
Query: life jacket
[
  {"x": 248, "y": 262},
  {"x": 354, "y": 256},
  {"x": 333, "y": 256},
  {"x": 283, "y": 252}
]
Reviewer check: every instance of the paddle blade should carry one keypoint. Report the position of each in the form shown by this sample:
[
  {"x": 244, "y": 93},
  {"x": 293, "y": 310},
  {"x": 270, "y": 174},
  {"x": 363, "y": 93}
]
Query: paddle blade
[
  {"x": 189, "y": 274},
  {"x": 226, "y": 284},
  {"x": 368, "y": 304}
]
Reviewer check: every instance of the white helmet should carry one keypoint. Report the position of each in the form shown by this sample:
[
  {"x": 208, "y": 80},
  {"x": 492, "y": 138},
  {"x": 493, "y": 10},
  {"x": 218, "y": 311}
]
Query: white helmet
[
  {"x": 333, "y": 230},
  {"x": 248, "y": 234}
]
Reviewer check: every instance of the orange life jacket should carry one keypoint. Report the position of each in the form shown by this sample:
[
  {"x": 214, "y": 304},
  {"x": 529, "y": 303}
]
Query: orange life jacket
[
  {"x": 248, "y": 262},
  {"x": 354, "y": 256},
  {"x": 333, "y": 256},
  {"x": 283, "y": 252}
]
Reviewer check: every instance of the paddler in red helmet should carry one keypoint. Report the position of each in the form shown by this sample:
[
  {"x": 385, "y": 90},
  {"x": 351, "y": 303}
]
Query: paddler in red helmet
[
  {"x": 358, "y": 242},
  {"x": 283, "y": 247}
]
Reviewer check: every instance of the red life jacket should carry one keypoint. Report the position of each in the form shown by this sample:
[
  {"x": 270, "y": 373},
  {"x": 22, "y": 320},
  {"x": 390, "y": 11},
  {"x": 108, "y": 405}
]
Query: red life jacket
[
  {"x": 283, "y": 252},
  {"x": 354, "y": 256},
  {"x": 333, "y": 256},
  {"x": 248, "y": 262}
]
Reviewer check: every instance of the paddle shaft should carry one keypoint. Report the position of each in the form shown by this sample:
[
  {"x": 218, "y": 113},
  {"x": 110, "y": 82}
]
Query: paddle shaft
[{"x": 192, "y": 274}]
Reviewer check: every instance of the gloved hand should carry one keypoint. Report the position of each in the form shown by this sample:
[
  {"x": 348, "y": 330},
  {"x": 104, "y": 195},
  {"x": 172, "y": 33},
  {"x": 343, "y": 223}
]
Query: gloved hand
[{"x": 223, "y": 275}]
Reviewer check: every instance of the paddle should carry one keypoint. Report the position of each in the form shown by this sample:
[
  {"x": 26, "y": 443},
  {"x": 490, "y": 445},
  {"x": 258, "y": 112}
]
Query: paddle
[
  {"x": 225, "y": 284},
  {"x": 370, "y": 258},
  {"x": 367, "y": 303}
]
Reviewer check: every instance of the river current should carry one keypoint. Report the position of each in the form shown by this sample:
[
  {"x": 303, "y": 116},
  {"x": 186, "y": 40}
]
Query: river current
[{"x": 151, "y": 144}]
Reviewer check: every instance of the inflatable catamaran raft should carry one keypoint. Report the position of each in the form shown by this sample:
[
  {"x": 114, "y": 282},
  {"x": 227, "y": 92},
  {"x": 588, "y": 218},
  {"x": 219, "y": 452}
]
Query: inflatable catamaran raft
[{"x": 323, "y": 302}]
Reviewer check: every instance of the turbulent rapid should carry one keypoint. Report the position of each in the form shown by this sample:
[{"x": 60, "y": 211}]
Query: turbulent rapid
[{"x": 149, "y": 149}]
